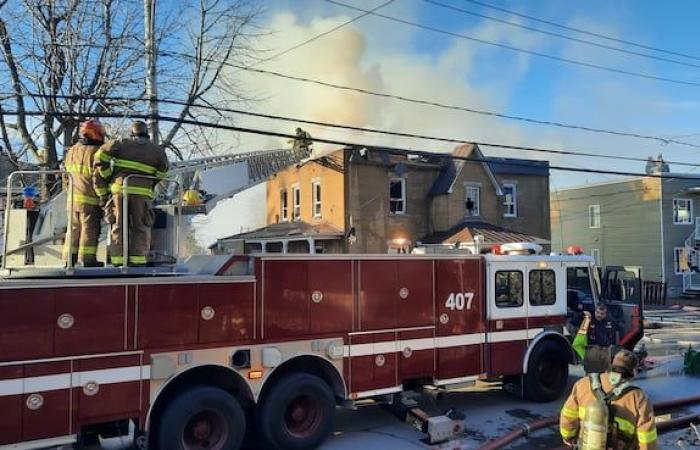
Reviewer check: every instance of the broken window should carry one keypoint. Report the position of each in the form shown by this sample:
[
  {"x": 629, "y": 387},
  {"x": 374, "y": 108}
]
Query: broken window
[
  {"x": 296, "y": 198},
  {"x": 472, "y": 202},
  {"x": 397, "y": 196},
  {"x": 284, "y": 205}
]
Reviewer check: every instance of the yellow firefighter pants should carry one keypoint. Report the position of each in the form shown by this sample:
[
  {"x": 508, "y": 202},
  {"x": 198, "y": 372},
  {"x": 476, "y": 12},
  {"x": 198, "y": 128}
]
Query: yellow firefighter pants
[
  {"x": 140, "y": 220},
  {"x": 85, "y": 223}
]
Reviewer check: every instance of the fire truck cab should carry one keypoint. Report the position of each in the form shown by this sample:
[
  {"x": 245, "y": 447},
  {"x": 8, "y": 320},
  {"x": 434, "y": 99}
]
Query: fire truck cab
[{"x": 191, "y": 358}]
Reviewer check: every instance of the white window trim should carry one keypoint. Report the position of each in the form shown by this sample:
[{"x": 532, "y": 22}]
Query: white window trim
[
  {"x": 595, "y": 254},
  {"x": 592, "y": 208},
  {"x": 677, "y": 261},
  {"x": 296, "y": 188},
  {"x": 690, "y": 215},
  {"x": 515, "y": 200},
  {"x": 477, "y": 203},
  {"x": 284, "y": 210},
  {"x": 403, "y": 196},
  {"x": 314, "y": 201}
]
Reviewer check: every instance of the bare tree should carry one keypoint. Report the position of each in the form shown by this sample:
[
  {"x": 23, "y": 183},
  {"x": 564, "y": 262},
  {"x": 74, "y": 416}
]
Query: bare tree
[{"x": 81, "y": 56}]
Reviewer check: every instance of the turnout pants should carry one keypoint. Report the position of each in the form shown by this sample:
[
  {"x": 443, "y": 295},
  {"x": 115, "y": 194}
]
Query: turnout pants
[
  {"x": 140, "y": 220},
  {"x": 85, "y": 224}
]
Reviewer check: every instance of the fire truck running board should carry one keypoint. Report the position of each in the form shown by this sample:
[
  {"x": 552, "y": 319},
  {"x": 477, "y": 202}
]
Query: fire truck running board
[{"x": 42, "y": 443}]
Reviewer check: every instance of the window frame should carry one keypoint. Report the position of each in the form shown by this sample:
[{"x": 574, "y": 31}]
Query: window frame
[
  {"x": 284, "y": 205},
  {"x": 690, "y": 211},
  {"x": 677, "y": 261},
  {"x": 316, "y": 200},
  {"x": 541, "y": 282},
  {"x": 594, "y": 211},
  {"x": 402, "y": 181},
  {"x": 595, "y": 254},
  {"x": 296, "y": 203},
  {"x": 513, "y": 202},
  {"x": 477, "y": 202},
  {"x": 522, "y": 288}
]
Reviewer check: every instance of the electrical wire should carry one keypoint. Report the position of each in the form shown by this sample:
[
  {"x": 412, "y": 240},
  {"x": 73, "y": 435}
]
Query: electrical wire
[
  {"x": 391, "y": 150},
  {"x": 424, "y": 102},
  {"x": 522, "y": 50},
  {"x": 325, "y": 33},
  {"x": 559, "y": 35},
  {"x": 383, "y": 132},
  {"x": 582, "y": 31}
]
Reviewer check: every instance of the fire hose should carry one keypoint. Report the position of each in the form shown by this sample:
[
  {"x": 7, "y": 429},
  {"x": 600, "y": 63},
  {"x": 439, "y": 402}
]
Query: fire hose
[{"x": 535, "y": 425}]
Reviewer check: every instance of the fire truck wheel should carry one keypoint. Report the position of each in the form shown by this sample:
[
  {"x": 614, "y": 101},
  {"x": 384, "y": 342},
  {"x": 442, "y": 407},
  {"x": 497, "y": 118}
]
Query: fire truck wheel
[
  {"x": 297, "y": 413},
  {"x": 203, "y": 417},
  {"x": 547, "y": 372}
]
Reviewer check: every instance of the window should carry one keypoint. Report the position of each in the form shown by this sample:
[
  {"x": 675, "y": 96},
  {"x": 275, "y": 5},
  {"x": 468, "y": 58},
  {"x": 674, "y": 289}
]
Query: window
[
  {"x": 509, "y": 289},
  {"x": 595, "y": 253},
  {"x": 472, "y": 200},
  {"x": 316, "y": 198},
  {"x": 510, "y": 200},
  {"x": 543, "y": 290},
  {"x": 593, "y": 216},
  {"x": 682, "y": 211},
  {"x": 284, "y": 206},
  {"x": 577, "y": 279},
  {"x": 296, "y": 199},
  {"x": 397, "y": 196},
  {"x": 680, "y": 260}
]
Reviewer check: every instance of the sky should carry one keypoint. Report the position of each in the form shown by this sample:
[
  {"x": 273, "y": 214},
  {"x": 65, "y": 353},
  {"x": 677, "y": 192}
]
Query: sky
[{"x": 379, "y": 55}]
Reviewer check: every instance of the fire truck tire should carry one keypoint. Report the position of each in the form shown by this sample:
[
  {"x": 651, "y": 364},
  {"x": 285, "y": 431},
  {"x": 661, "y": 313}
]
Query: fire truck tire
[
  {"x": 202, "y": 417},
  {"x": 297, "y": 413},
  {"x": 547, "y": 372}
]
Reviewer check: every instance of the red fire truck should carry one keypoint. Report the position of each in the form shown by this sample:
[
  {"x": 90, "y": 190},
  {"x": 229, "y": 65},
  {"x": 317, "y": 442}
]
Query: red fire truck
[
  {"x": 193, "y": 358},
  {"x": 188, "y": 355}
]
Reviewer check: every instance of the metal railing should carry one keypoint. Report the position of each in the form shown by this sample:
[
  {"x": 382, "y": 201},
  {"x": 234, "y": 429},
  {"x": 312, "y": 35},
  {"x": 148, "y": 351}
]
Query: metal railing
[
  {"x": 9, "y": 206},
  {"x": 125, "y": 213}
]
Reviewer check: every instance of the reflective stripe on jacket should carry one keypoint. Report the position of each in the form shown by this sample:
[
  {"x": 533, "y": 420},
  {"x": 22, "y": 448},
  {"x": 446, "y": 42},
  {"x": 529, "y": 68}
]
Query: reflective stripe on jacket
[
  {"x": 117, "y": 160},
  {"x": 79, "y": 161},
  {"x": 632, "y": 413}
]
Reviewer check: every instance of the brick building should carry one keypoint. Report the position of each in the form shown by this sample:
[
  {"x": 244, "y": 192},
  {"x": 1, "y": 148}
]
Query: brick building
[{"x": 370, "y": 200}]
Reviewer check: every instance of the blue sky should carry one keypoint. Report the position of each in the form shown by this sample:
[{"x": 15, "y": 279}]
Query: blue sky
[{"x": 375, "y": 54}]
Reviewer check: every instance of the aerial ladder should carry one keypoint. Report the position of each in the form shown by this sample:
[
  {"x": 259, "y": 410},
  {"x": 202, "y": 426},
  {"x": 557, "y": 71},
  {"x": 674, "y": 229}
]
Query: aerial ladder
[{"x": 33, "y": 237}]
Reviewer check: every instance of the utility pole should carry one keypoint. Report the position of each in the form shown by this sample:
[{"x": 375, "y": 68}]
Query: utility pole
[{"x": 149, "y": 12}]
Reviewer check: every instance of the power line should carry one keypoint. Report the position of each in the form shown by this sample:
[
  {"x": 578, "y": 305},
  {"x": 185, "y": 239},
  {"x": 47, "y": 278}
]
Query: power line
[
  {"x": 325, "y": 33},
  {"x": 380, "y": 131},
  {"x": 522, "y": 50},
  {"x": 582, "y": 31},
  {"x": 387, "y": 149},
  {"x": 559, "y": 35},
  {"x": 424, "y": 102}
]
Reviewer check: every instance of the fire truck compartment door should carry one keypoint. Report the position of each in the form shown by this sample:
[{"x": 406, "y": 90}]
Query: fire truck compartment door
[{"x": 460, "y": 317}]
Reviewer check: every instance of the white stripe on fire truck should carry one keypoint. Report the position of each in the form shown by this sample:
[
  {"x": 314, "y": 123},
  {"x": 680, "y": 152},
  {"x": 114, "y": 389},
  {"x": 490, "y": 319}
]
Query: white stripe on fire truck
[
  {"x": 19, "y": 386},
  {"x": 378, "y": 348}
]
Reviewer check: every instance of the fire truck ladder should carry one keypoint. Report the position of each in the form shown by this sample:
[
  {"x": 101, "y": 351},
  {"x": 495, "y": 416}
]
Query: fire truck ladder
[{"x": 220, "y": 177}]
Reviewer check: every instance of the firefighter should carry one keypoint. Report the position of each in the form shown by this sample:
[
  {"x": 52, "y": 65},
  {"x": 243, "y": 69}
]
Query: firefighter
[
  {"x": 146, "y": 162},
  {"x": 607, "y": 412},
  {"x": 84, "y": 206}
]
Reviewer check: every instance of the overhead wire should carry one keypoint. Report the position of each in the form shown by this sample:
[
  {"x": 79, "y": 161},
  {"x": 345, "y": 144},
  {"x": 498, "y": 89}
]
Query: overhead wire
[
  {"x": 522, "y": 50},
  {"x": 387, "y": 149},
  {"x": 382, "y": 131},
  {"x": 559, "y": 35},
  {"x": 582, "y": 31},
  {"x": 432, "y": 103}
]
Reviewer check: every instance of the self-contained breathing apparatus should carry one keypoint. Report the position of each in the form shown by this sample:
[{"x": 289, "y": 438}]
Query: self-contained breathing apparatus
[{"x": 599, "y": 430}]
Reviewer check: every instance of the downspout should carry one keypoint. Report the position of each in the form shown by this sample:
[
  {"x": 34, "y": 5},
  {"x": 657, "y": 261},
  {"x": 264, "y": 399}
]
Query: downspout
[{"x": 661, "y": 220}]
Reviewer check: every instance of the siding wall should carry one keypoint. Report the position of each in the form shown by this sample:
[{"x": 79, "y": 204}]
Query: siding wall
[{"x": 630, "y": 231}]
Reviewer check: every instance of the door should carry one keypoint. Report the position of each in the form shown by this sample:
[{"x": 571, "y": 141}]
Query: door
[
  {"x": 459, "y": 319},
  {"x": 622, "y": 292}
]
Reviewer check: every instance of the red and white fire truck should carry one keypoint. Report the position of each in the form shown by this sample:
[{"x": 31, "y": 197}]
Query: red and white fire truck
[{"x": 192, "y": 356}]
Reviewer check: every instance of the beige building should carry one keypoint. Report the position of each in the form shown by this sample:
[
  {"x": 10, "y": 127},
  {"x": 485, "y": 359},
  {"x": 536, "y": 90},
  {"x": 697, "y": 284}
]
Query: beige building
[{"x": 370, "y": 200}]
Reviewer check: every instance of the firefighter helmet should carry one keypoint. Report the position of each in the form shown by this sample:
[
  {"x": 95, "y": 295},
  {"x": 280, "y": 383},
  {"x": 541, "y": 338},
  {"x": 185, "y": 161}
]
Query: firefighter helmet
[{"x": 92, "y": 129}]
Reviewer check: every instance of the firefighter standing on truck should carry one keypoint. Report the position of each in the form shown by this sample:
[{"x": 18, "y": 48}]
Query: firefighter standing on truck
[
  {"x": 607, "y": 412},
  {"x": 144, "y": 163},
  {"x": 85, "y": 204}
]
